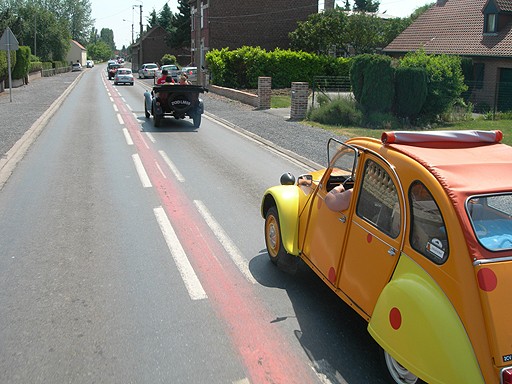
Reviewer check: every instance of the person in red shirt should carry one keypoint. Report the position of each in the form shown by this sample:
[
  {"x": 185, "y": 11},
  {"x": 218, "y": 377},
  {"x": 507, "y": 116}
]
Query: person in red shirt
[{"x": 164, "y": 78}]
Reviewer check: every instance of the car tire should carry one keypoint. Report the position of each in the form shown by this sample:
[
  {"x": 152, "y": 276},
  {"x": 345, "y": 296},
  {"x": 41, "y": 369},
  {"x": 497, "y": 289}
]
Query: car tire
[
  {"x": 157, "y": 121},
  {"x": 395, "y": 372},
  {"x": 273, "y": 239},
  {"x": 196, "y": 118},
  {"x": 131, "y": 84},
  {"x": 115, "y": 83}
]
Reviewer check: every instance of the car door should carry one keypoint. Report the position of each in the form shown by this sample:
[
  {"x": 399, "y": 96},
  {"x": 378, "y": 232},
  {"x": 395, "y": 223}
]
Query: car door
[
  {"x": 375, "y": 233},
  {"x": 324, "y": 230}
]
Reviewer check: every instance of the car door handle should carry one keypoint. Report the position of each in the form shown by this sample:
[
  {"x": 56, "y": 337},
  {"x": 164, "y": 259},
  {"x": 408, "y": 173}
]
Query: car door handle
[
  {"x": 392, "y": 251},
  {"x": 343, "y": 218}
]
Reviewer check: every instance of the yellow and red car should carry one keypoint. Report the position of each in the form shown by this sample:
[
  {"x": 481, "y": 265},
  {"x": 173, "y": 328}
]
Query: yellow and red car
[{"x": 423, "y": 252}]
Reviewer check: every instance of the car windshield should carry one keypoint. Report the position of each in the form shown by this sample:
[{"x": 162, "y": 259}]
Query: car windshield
[
  {"x": 151, "y": 66},
  {"x": 124, "y": 72},
  {"x": 491, "y": 218}
]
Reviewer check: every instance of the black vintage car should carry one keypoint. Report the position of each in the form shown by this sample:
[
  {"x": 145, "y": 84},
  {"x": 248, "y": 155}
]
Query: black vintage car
[{"x": 178, "y": 101}]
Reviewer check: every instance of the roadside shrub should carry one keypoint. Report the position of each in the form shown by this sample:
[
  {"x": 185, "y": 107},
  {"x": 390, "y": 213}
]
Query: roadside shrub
[
  {"x": 445, "y": 82},
  {"x": 410, "y": 91},
  {"x": 372, "y": 80},
  {"x": 168, "y": 59},
  {"x": 4, "y": 64},
  {"x": 341, "y": 111},
  {"x": 35, "y": 66},
  {"x": 20, "y": 70},
  {"x": 240, "y": 68}
]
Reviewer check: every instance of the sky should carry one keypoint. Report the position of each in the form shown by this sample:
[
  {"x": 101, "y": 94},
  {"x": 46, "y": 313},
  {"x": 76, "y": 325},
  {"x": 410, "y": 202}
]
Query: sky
[{"x": 119, "y": 15}]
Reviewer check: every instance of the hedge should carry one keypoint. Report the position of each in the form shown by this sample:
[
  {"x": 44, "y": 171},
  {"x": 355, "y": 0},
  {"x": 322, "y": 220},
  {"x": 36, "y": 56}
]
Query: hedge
[{"x": 240, "y": 68}]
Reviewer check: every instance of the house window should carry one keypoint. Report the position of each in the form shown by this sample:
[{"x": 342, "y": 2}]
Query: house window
[{"x": 490, "y": 23}]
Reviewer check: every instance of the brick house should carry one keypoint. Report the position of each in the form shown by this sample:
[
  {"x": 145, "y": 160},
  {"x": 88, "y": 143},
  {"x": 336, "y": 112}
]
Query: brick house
[
  {"x": 478, "y": 29},
  {"x": 150, "y": 48},
  {"x": 233, "y": 23}
]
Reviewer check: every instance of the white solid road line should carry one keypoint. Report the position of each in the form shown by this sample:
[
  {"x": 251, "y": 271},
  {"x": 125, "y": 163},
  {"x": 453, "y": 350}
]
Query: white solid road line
[
  {"x": 226, "y": 242},
  {"x": 192, "y": 283},
  {"x": 144, "y": 178}
]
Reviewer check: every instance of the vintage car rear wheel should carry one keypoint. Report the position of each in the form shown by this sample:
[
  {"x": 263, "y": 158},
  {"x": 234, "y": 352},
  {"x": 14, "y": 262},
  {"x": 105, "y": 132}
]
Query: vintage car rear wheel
[
  {"x": 273, "y": 238},
  {"x": 397, "y": 372},
  {"x": 196, "y": 117}
]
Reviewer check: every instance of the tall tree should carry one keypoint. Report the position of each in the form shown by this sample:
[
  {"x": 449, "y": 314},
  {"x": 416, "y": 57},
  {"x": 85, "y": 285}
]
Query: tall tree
[
  {"x": 321, "y": 33},
  {"x": 165, "y": 17},
  {"x": 180, "y": 26},
  {"x": 152, "y": 19},
  {"x": 107, "y": 36},
  {"x": 366, "y": 5}
]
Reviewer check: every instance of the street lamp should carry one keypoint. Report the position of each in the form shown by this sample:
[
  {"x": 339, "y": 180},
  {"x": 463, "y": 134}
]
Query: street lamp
[{"x": 132, "y": 28}]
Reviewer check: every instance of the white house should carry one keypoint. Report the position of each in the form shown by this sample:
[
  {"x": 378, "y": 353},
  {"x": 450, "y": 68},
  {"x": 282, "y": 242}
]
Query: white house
[{"x": 76, "y": 53}]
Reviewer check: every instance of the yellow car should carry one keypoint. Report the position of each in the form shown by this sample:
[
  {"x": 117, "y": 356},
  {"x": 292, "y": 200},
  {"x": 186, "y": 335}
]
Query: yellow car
[{"x": 423, "y": 252}]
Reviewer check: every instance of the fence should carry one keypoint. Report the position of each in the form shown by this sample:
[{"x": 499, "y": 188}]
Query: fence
[{"x": 332, "y": 86}]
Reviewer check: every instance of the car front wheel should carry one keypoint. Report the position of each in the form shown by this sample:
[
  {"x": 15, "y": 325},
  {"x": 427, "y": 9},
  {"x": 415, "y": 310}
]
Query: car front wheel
[{"x": 273, "y": 238}]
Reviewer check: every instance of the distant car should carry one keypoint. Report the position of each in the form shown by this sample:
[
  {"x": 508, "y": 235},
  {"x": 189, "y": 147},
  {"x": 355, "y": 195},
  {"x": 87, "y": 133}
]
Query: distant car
[
  {"x": 191, "y": 73},
  {"x": 76, "y": 67},
  {"x": 123, "y": 76},
  {"x": 147, "y": 70},
  {"x": 173, "y": 70},
  {"x": 90, "y": 64},
  {"x": 112, "y": 69}
]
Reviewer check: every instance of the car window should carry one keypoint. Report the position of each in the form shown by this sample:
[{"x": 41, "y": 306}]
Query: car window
[
  {"x": 428, "y": 232},
  {"x": 491, "y": 218},
  {"x": 378, "y": 201}
]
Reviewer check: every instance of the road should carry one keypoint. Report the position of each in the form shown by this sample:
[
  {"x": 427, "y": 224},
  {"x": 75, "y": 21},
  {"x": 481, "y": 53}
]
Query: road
[{"x": 131, "y": 254}]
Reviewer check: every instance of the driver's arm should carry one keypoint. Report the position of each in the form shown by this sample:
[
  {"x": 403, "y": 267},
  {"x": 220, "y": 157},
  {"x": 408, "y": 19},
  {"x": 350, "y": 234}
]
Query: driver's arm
[{"x": 338, "y": 199}]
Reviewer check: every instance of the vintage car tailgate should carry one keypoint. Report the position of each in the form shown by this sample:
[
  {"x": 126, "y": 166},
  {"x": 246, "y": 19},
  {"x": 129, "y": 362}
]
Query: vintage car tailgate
[{"x": 495, "y": 282}]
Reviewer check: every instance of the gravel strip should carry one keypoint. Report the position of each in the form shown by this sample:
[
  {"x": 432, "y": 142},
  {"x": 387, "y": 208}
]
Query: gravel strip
[{"x": 302, "y": 139}]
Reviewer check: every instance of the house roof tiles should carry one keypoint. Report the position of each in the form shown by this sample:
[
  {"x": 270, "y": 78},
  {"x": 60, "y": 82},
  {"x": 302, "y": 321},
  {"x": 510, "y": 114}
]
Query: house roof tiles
[{"x": 456, "y": 27}]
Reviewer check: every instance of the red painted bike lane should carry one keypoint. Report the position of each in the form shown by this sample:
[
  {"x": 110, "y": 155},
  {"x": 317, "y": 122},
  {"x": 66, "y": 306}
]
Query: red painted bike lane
[{"x": 262, "y": 348}]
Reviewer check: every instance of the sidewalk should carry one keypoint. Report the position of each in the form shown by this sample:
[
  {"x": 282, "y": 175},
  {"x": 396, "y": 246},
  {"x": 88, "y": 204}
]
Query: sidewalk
[{"x": 300, "y": 140}]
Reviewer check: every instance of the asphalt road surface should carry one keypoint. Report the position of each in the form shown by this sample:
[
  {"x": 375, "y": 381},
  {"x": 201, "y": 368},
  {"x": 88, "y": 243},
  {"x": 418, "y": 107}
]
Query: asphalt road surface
[{"x": 131, "y": 254}]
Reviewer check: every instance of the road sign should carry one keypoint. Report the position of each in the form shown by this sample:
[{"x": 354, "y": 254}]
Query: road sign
[{"x": 8, "y": 41}]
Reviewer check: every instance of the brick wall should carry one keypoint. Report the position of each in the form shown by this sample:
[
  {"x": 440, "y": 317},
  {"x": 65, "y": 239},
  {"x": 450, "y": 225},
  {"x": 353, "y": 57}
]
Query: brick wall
[{"x": 264, "y": 23}]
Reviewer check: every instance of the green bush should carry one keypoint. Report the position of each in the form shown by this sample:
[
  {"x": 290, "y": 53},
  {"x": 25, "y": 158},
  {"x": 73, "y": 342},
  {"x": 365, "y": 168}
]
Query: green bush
[
  {"x": 372, "y": 80},
  {"x": 410, "y": 91},
  {"x": 35, "y": 66},
  {"x": 241, "y": 68},
  {"x": 21, "y": 68},
  {"x": 445, "y": 81},
  {"x": 340, "y": 111},
  {"x": 168, "y": 59},
  {"x": 4, "y": 64}
]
